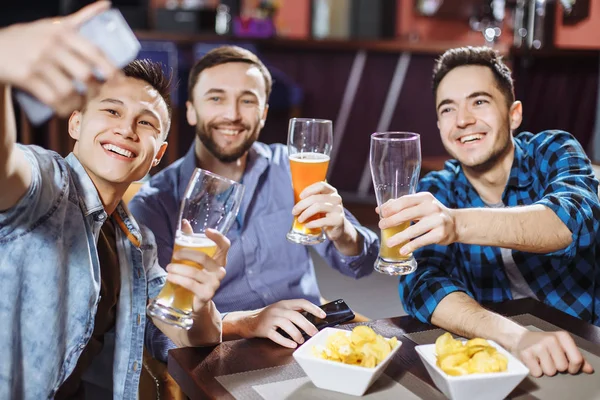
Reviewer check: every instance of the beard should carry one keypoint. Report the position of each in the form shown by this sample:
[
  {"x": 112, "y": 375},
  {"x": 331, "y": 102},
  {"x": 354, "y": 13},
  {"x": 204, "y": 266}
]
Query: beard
[{"x": 202, "y": 132}]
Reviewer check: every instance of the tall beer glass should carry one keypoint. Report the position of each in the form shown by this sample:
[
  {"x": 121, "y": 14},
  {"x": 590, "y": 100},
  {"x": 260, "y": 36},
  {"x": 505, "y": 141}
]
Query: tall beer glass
[
  {"x": 395, "y": 164},
  {"x": 210, "y": 201},
  {"x": 309, "y": 146}
]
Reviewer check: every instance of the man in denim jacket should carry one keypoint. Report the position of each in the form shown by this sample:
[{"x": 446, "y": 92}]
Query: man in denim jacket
[{"x": 76, "y": 269}]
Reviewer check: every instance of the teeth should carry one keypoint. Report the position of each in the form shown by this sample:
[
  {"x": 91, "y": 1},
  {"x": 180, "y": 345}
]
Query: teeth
[
  {"x": 229, "y": 132},
  {"x": 470, "y": 138},
  {"x": 118, "y": 150}
]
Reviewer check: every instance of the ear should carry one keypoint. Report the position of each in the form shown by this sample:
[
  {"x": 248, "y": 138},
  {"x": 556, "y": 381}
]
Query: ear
[
  {"x": 190, "y": 113},
  {"x": 75, "y": 124},
  {"x": 264, "y": 116},
  {"x": 515, "y": 115},
  {"x": 438, "y": 124},
  {"x": 160, "y": 153}
]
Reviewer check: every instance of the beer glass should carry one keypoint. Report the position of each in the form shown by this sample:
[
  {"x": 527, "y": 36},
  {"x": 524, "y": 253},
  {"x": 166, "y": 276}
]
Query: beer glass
[
  {"x": 210, "y": 201},
  {"x": 309, "y": 146},
  {"x": 395, "y": 160}
]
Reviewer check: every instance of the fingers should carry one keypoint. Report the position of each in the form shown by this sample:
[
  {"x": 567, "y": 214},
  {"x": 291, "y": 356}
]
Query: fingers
[
  {"x": 95, "y": 60},
  {"x": 290, "y": 329},
  {"x": 330, "y": 200},
  {"x": 186, "y": 227},
  {"x": 198, "y": 259},
  {"x": 570, "y": 349},
  {"x": 302, "y": 304},
  {"x": 394, "y": 206},
  {"x": 531, "y": 362},
  {"x": 201, "y": 282},
  {"x": 317, "y": 188},
  {"x": 87, "y": 12}
]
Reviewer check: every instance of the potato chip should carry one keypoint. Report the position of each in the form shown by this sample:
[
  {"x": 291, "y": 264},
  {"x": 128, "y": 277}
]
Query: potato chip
[
  {"x": 361, "y": 347},
  {"x": 474, "y": 356}
]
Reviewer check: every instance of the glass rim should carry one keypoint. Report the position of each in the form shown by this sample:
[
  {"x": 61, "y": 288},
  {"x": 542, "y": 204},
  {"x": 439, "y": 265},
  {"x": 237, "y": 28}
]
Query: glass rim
[
  {"x": 395, "y": 136},
  {"x": 315, "y": 120},
  {"x": 216, "y": 176}
]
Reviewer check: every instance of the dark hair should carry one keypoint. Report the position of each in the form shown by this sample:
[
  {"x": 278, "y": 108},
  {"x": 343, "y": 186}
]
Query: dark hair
[
  {"x": 483, "y": 56},
  {"x": 223, "y": 55},
  {"x": 152, "y": 73}
]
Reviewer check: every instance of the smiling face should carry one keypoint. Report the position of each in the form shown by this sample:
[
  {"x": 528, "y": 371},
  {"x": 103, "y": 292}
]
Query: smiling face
[
  {"x": 228, "y": 109},
  {"x": 120, "y": 134},
  {"x": 474, "y": 120}
]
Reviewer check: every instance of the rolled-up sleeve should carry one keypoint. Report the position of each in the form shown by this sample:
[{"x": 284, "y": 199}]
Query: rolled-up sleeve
[{"x": 571, "y": 190}]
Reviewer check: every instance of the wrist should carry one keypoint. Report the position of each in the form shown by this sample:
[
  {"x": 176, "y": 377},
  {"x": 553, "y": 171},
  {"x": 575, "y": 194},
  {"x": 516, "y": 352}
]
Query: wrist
[
  {"x": 350, "y": 243},
  {"x": 235, "y": 325},
  {"x": 461, "y": 226}
]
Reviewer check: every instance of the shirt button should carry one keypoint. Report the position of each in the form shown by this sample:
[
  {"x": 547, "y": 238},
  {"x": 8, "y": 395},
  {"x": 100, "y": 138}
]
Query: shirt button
[
  {"x": 139, "y": 319},
  {"x": 135, "y": 365}
]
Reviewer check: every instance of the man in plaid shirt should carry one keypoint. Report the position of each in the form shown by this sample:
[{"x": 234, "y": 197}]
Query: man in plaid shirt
[{"x": 509, "y": 217}]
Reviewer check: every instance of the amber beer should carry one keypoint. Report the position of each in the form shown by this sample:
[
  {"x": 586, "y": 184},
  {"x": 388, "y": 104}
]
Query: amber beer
[
  {"x": 173, "y": 295},
  {"x": 307, "y": 168},
  {"x": 393, "y": 253}
]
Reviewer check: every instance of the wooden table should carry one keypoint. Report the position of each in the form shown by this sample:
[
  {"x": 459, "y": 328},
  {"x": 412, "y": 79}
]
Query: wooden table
[{"x": 195, "y": 369}]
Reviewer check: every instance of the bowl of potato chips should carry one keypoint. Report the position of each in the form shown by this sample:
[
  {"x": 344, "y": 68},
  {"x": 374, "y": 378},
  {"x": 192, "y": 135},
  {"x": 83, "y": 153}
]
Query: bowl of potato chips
[
  {"x": 471, "y": 369},
  {"x": 346, "y": 361}
]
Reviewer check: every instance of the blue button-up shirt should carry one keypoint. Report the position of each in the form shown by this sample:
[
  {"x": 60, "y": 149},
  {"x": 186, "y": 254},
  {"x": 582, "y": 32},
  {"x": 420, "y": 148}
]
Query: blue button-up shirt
[
  {"x": 50, "y": 287},
  {"x": 551, "y": 169},
  {"x": 262, "y": 266}
]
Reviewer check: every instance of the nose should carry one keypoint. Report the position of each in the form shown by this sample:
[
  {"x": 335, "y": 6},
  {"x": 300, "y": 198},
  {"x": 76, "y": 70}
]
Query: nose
[
  {"x": 465, "y": 117},
  {"x": 127, "y": 130},
  {"x": 232, "y": 111}
]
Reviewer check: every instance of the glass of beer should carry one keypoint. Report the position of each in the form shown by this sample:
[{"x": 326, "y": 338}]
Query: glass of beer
[
  {"x": 395, "y": 164},
  {"x": 309, "y": 145},
  {"x": 210, "y": 201}
]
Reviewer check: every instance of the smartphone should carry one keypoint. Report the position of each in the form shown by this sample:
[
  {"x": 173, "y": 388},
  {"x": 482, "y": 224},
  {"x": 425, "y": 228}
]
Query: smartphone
[
  {"x": 110, "y": 32},
  {"x": 337, "y": 312}
]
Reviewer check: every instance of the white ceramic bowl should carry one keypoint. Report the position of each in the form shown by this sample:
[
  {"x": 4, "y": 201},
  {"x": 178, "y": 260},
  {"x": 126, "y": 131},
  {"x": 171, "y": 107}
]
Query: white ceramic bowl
[
  {"x": 337, "y": 376},
  {"x": 488, "y": 386}
]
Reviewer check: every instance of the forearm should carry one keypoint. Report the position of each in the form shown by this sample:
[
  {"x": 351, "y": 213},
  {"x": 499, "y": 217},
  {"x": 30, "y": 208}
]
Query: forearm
[
  {"x": 534, "y": 228},
  {"x": 206, "y": 329},
  {"x": 15, "y": 172},
  {"x": 350, "y": 243},
  {"x": 461, "y": 314}
]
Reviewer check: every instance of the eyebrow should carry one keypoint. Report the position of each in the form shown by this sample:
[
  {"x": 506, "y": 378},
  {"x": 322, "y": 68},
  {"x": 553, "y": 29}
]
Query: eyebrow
[
  {"x": 221, "y": 91},
  {"x": 471, "y": 96}
]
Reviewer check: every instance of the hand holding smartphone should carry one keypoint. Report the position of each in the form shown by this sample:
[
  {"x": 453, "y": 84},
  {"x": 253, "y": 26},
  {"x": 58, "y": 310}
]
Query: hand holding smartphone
[
  {"x": 111, "y": 34},
  {"x": 337, "y": 311}
]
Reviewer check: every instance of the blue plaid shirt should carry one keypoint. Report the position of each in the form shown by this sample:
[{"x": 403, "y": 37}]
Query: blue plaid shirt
[{"x": 551, "y": 169}]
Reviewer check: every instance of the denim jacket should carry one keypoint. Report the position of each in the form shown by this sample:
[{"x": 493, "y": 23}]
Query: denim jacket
[{"x": 50, "y": 286}]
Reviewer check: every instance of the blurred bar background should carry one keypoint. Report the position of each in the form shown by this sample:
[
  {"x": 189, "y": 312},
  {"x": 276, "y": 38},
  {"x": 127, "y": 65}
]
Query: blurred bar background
[{"x": 365, "y": 64}]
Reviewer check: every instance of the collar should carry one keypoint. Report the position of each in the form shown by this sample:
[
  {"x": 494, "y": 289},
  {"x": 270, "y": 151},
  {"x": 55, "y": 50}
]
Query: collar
[{"x": 91, "y": 205}]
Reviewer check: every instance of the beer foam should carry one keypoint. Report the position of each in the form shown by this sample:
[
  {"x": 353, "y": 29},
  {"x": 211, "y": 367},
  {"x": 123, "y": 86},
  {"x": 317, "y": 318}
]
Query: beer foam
[
  {"x": 309, "y": 157},
  {"x": 195, "y": 240}
]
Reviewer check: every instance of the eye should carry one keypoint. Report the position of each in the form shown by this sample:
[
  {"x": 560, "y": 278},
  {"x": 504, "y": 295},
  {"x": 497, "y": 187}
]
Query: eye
[
  {"x": 445, "y": 110},
  {"x": 215, "y": 99},
  {"x": 480, "y": 102},
  {"x": 111, "y": 111},
  {"x": 147, "y": 123},
  {"x": 249, "y": 101}
]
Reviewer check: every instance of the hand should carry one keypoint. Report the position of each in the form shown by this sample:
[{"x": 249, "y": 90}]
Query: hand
[
  {"x": 46, "y": 56},
  {"x": 435, "y": 222},
  {"x": 284, "y": 314},
  {"x": 546, "y": 353},
  {"x": 203, "y": 282},
  {"x": 321, "y": 198}
]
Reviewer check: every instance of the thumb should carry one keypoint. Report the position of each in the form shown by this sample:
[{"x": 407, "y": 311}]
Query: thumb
[{"x": 87, "y": 12}]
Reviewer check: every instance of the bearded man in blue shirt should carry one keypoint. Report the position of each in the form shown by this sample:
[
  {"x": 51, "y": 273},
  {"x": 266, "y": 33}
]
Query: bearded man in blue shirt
[
  {"x": 76, "y": 269},
  {"x": 509, "y": 217},
  {"x": 269, "y": 280}
]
